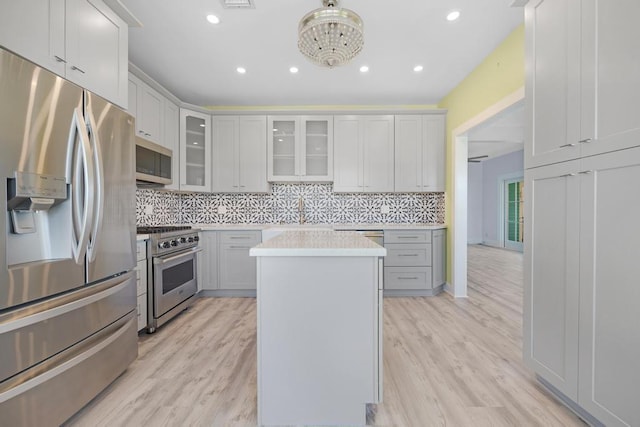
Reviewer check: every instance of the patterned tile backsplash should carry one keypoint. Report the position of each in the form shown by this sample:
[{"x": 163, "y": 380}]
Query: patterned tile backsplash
[{"x": 321, "y": 206}]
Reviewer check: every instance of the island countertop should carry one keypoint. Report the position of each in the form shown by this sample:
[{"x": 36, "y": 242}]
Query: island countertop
[{"x": 318, "y": 243}]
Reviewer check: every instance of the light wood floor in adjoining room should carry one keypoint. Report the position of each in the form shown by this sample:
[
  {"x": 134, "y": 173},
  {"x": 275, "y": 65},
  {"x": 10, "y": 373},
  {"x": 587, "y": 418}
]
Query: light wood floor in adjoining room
[{"x": 453, "y": 362}]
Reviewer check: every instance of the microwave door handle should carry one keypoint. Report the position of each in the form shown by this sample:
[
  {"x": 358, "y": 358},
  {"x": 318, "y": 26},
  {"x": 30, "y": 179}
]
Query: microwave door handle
[
  {"x": 80, "y": 170},
  {"x": 97, "y": 185}
]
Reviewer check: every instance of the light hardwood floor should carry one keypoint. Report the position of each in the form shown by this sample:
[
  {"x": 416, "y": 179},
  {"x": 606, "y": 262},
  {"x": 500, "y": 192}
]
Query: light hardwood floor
[{"x": 453, "y": 362}]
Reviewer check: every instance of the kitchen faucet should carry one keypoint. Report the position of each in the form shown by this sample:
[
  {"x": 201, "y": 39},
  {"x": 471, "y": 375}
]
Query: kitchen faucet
[{"x": 301, "y": 210}]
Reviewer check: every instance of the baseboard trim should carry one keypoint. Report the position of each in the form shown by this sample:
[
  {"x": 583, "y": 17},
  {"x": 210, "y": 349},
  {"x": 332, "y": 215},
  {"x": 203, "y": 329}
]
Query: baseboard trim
[
  {"x": 573, "y": 406},
  {"x": 228, "y": 293},
  {"x": 413, "y": 292}
]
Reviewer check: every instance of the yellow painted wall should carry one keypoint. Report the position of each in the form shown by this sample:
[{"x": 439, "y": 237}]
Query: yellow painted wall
[{"x": 499, "y": 75}]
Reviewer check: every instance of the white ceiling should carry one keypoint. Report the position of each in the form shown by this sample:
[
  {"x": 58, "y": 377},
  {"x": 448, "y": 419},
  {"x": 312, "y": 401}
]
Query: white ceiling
[
  {"x": 500, "y": 135},
  {"x": 197, "y": 61}
]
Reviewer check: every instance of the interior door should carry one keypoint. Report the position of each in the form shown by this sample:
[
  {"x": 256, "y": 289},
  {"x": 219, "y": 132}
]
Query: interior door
[
  {"x": 112, "y": 247},
  {"x": 514, "y": 214}
]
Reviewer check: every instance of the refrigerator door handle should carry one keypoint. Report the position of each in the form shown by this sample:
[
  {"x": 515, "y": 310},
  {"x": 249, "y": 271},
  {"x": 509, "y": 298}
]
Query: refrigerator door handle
[
  {"x": 81, "y": 172},
  {"x": 97, "y": 185}
]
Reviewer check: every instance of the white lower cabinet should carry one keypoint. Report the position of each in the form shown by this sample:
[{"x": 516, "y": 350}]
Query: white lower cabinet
[
  {"x": 414, "y": 264},
  {"x": 141, "y": 283},
  {"x": 236, "y": 269},
  {"x": 208, "y": 262},
  {"x": 582, "y": 323}
]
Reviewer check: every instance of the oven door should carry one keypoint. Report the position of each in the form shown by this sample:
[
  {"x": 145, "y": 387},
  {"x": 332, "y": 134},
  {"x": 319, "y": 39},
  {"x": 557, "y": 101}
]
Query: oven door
[{"x": 174, "y": 279}]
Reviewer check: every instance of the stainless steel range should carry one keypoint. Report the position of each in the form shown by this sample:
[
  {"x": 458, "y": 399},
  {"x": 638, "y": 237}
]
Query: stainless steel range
[{"x": 172, "y": 271}]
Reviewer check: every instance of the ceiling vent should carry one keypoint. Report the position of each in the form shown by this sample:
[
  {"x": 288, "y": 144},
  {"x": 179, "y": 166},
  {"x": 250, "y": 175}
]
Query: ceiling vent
[{"x": 237, "y": 4}]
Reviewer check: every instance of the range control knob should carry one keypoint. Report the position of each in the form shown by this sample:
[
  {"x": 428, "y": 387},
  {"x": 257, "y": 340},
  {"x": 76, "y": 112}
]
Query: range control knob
[
  {"x": 174, "y": 243},
  {"x": 183, "y": 240},
  {"x": 190, "y": 239},
  {"x": 196, "y": 238},
  {"x": 164, "y": 245}
]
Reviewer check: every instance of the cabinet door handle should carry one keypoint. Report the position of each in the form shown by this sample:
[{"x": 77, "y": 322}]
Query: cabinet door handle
[
  {"x": 586, "y": 140},
  {"x": 73, "y": 67},
  {"x": 407, "y": 278},
  {"x": 240, "y": 237},
  {"x": 407, "y": 237},
  {"x": 585, "y": 172},
  {"x": 566, "y": 175},
  {"x": 59, "y": 59},
  {"x": 239, "y": 247},
  {"x": 567, "y": 145},
  {"x": 407, "y": 254}
]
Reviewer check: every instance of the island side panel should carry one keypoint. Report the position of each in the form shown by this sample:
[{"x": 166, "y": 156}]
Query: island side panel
[{"x": 317, "y": 339}]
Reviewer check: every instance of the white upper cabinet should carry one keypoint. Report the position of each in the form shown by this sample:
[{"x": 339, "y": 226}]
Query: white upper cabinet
[
  {"x": 582, "y": 79},
  {"x": 240, "y": 154},
  {"x": 195, "y": 151},
  {"x": 363, "y": 154},
  {"x": 610, "y": 76},
  {"x": 81, "y": 40},
  {"x": 35, "y": 30},
  {"x": 300, "y": 148},
  {"x": 148, "y": 108},
  {"x": 171, "y": 138},
  {"x": 553, "y": 81},
  {"x": 419, "y": 153}
]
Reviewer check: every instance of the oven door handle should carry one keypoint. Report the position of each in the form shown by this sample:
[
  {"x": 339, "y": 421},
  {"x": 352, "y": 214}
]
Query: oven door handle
[{"x": 159, "y": 260}]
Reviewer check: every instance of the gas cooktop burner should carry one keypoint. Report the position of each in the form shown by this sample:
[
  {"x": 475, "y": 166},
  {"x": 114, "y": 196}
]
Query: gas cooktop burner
[{"x": 161, "y": 229}]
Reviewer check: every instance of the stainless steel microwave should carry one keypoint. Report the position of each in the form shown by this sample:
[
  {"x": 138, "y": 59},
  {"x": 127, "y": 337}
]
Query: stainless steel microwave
[{"x": 153, "y": 163}]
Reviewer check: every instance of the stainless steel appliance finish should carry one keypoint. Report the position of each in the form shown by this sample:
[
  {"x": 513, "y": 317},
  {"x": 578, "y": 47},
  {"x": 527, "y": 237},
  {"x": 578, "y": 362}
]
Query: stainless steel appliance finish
[
  {"x": 67, "y": 245},
  {"x": 173, "y": 272},
  {"x": 153, "y": 163}
]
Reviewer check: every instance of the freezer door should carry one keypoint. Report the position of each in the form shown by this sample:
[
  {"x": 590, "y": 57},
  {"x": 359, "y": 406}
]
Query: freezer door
[
  {"x": 36, "y": 115},
  {"x": 112, "y": 244}
]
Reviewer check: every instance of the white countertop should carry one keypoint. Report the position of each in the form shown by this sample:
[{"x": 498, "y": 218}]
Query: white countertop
[
  {"x": 235, "y": 227},
  {"x": 141, "y": 237},
  {"x": 318, "y": 243}
]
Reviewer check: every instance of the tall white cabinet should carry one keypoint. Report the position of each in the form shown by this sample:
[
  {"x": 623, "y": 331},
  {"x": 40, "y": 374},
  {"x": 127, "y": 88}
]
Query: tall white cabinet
[
  {"x": 582, "y": 324},
  {"x": 419, "y": 153},
  {"x": 240, "y": 154},
  {"x": 364, "y": 154}
]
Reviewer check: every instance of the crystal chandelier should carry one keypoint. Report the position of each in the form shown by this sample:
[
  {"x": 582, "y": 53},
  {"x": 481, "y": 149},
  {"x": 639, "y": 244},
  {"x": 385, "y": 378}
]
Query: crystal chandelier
[{"x": 330, "y": 36}]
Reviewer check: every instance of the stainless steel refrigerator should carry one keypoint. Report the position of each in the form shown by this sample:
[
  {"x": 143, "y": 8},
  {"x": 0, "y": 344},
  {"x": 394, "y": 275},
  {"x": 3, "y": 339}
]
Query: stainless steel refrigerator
[{"x": 67, "y": 246}]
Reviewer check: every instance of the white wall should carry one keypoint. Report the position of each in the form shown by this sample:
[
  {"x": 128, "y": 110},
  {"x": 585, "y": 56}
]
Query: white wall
[
  {"x": 494, "y": 171},
  {"x": 474, "y": 203}
]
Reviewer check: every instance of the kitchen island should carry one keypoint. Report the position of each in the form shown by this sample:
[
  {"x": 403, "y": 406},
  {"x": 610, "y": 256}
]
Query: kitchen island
[{"x": 319, "y": 328}]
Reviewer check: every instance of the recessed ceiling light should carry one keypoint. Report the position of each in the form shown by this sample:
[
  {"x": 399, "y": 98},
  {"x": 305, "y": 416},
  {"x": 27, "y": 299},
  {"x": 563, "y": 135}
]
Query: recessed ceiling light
[
  {"x": 418, "y": 68},
  {"x": 293, "y": 70},
  {"x": 195, "y": 142},
  {"x": 275, "y": 130},
  {"x": 364, "y": 69},
  {"x": 453, "y": 15},
  {"x": 201, "y": 125},
  {"x": 241, "y": 70},
  {"x": 213, "y": 19},
  {"x": 280, "y": 139}
]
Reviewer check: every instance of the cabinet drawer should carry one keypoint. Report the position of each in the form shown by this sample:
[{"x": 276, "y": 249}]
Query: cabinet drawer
[
  {"x": 141, "y": 277},
  {"x": 399, "y": 255},
  {"x": 407, "y": 236},
  {"x": 243, "y": 238},
  {"x": 141, "y": 250},
  {"x": 142, "y": 311},
  {"x": 407, "y": 278}
]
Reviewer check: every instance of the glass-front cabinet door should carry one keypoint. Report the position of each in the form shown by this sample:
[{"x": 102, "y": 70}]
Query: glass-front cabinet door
[
  {"x": 300, "y": 148},
  {"x": 195, "y": 151},
  {"x": 283, "y": 149},
  {"x": 317, "y": 148}
]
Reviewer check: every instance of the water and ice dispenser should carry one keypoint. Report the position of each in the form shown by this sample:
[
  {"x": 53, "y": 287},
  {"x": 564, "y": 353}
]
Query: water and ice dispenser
[{"x": 39, "y": 212}]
